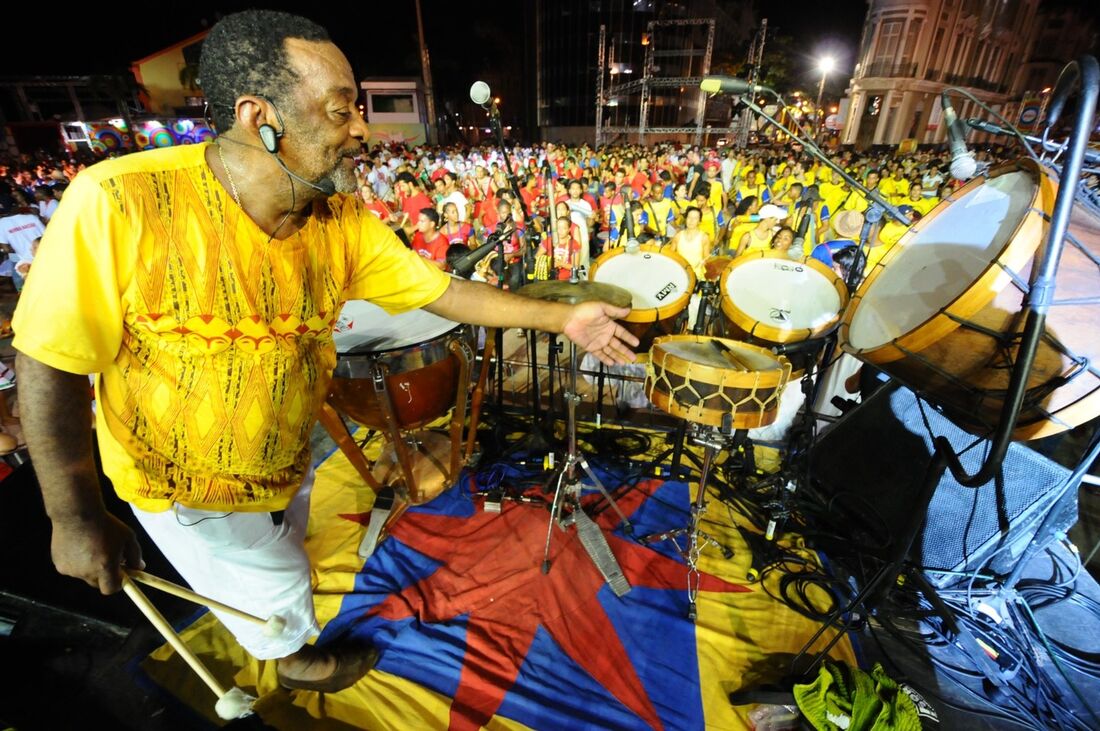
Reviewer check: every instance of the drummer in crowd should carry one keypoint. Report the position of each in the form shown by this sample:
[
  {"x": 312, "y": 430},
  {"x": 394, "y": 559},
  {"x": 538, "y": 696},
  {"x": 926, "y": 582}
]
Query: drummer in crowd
[
  {"x": 712, "y": 221},
  {"x": 428, "y": 242},
  {"x": 227, "y": 501},
  {"x": 692, "y": 242},
  {"x": 455, "y": 229},
  {"x": 782, "y": 241},
  {"x": 760, "y": 237}
]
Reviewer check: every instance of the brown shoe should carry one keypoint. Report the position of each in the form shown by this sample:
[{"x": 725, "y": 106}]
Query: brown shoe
[{"x": 350, "y": 663}]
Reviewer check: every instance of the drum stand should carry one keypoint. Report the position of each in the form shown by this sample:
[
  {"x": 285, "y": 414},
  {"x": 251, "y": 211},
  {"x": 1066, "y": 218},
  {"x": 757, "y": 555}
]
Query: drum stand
[
  {"x": 713, "y": 440},
  {"x": 392, "y": 502},
  {"x": 568, "y": 490}
]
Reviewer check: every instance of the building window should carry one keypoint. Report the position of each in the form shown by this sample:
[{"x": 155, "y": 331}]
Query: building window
[
  {"x": 889, "y": 36},
  {"x": 911, "y": 41},
  {"x": 392, "y": 103}
]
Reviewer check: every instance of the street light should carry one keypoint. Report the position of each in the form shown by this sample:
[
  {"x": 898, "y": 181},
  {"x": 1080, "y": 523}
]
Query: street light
[{"x": 825, "y": 64}]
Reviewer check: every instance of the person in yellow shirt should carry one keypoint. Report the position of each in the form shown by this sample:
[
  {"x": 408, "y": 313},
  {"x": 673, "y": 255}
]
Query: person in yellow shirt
[
  {"x": 201, "y": 285},
  {"x": 832, "y": 189},
  {"x": 745, "y": 218},
  {"x": 895, "y": 186},
  {"x": 680, "y": 204},
  {"x": 760, "y": 237},
  {"x": 916, "y": 200},
  {"x": 856, "y": 201},
  {"x": 712, "y": 220},
  {"x": 658, "y": 211}
]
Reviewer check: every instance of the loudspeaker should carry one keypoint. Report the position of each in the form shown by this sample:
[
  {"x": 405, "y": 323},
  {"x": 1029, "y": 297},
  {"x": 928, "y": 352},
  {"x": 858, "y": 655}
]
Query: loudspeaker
[{"x": 870, "y": 464}]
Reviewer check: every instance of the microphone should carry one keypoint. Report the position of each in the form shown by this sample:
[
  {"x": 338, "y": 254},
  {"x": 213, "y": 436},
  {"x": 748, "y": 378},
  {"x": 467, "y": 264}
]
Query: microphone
[
  {"x": 480, "y": 93},
  {"x": 963, "y": 164},
  {"x": 729, "y": 85},
  {"x": 325, "y": 187},
  {"x": 464, "y": 266},
  {"x": 804, "y": 224}
]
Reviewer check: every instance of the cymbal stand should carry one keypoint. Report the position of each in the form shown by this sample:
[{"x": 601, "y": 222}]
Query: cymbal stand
[
  {"x": 713, "y": 440},
  {"x": 568, "y": 490}
]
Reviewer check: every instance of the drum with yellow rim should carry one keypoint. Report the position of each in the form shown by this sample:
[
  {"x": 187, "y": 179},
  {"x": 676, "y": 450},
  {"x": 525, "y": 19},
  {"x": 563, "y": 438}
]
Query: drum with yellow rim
[
  {"x": 660, "y": 282},
  {"x": 703, "y": 379},
  {"x": 769, "y": 297},
  {"x": 943, "y": 312}
]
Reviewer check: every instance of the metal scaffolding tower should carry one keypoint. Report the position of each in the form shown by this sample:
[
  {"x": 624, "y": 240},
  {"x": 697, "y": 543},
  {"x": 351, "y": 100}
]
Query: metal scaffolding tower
[
  {"x": 656, "y": 32},
  {"x": 756, "y": 60}
]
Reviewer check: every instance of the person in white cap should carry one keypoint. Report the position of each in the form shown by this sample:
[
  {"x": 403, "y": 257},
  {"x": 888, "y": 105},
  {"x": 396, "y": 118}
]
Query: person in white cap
[{"x": 761, "y": 237}]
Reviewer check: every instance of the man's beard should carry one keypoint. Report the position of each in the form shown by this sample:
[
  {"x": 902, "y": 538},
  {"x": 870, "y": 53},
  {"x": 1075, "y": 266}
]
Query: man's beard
[{"x": 343, "y": 178}]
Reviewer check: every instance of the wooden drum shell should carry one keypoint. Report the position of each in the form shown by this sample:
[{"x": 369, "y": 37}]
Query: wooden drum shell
[{"x": 704, "y": 394}]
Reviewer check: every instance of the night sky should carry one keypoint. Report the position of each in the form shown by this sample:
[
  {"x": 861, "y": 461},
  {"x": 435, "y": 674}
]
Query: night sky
[{"x": 464, "y": 39}]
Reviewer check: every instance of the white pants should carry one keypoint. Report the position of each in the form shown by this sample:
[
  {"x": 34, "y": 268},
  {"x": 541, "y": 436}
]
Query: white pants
[{"x": 246, "y": 561}]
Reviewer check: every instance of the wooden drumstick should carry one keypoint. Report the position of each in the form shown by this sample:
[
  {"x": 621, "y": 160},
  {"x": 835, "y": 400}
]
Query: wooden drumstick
[
  {"x": 273, "y": 626},
  {"x": 232, "y": 703}
]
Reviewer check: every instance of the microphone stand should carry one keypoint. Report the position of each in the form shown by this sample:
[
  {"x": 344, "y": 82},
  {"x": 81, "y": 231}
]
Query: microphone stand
[
  {"x": 498, "y": 132},
  {"x": 814, "y": 150}
]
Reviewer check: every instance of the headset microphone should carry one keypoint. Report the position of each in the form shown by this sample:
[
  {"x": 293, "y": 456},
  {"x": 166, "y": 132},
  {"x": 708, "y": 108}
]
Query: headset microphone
[{"x": 325, "y": 186}]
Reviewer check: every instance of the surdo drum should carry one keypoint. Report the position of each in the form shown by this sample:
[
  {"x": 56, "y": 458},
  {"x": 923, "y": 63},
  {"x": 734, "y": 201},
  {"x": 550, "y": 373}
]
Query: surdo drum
[{"x": 943, "y": 312}]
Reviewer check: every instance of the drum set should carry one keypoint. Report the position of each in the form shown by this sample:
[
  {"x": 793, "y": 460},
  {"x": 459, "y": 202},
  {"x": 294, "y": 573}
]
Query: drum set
[{"x": 941, "y": 312}]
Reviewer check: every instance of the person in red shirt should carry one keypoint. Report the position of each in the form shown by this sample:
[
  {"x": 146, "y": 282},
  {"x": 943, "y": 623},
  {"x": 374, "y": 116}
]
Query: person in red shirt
[
  {"x": 428, "y": 241},
  {"x": 455, "y": 231},
  {"x": 411, "y": 200},
  {"x": 373, "y": 203},
  {"x": 639, "y": 179}
]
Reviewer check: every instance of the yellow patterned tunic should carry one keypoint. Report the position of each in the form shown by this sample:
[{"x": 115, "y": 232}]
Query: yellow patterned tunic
[{"x": 213, "y": 345}]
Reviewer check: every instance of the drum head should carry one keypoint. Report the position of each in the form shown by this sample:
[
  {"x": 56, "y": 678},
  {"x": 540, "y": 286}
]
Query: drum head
[
  {"x": 364, "y": 327},
  {"x": 940, "y": 259},
  {"x": 655, "y": 279},
  {"x": 780, "y": 299},
  {"x": 704, "y": 353}
]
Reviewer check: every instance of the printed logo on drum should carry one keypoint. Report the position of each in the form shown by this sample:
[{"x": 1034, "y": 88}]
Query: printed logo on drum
[
  {"x": 666, "y": 291},
  {"x": 780, "y": 315},
  {"x": 787, "y": 267}
]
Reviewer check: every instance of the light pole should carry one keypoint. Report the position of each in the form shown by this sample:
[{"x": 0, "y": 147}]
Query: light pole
[{"x": 824, "y": 65}]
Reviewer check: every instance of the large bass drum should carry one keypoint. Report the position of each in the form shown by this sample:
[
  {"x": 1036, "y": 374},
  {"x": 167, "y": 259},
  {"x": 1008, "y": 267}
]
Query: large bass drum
[{"x": 943, "y": 312}]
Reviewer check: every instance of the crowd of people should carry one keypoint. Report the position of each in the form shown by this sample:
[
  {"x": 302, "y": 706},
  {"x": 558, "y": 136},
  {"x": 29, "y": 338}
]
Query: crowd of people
[{"x": 700, "y": 202}]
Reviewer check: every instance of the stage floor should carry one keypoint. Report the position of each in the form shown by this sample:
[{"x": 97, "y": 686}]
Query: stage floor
[{"x": 473, "y": 634}]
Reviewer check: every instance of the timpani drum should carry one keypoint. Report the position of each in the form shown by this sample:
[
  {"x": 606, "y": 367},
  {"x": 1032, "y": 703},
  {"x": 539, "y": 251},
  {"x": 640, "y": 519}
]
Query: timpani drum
[
  {"x": 415, "y": 349},
  {"x": 660, "y": 282},
  {"x": 705, "y": 380},
  {"x": 943, "y": 312}
]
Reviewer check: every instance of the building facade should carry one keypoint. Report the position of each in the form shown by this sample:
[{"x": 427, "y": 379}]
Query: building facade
[{"x": 1004, "y": 52}]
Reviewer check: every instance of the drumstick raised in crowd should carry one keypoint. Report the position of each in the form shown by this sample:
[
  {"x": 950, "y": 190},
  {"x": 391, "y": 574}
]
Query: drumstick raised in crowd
[
  {"x": 273, "y": 626},
  {"x": 232, "y": 703}
]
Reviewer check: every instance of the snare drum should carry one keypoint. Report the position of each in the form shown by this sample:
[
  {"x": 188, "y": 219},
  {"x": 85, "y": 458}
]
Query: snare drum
[
  {"x": 660, "y": 282},
  {"x": 415, "y": 351},
  {"x": 943, "y": 311},
  {"x": 704, "y": 379}
]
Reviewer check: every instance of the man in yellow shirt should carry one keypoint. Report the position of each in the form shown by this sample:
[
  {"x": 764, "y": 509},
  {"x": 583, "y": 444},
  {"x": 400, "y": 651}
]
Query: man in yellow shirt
[
  {"x": 201, "y": 284},
  {"x": 856, "y": 201},
  {"x": 895, "y": 186}
]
